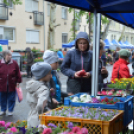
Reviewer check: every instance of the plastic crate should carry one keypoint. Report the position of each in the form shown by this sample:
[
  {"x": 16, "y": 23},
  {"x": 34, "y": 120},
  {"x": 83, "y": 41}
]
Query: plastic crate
[
  {"x": 114, "y": 126},
  {"x": 126, "y": 105}
]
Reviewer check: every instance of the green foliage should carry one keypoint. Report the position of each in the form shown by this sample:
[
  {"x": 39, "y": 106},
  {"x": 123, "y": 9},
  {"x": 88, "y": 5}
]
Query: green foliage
[{"x": 15, "y": 2}]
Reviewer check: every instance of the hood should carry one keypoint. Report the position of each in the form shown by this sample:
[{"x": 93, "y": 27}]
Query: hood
[
  {"x": 81, "y": 35},
  {"x": 33, "y": 85}
]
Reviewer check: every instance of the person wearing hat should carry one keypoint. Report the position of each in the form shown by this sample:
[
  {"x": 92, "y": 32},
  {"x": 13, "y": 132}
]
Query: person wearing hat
[
  {"x": 51, "y": 58},
  {"x": 38, "y": 92},
  {"x": 120, "y": 68},
  {"x": 76, "y": 61}
]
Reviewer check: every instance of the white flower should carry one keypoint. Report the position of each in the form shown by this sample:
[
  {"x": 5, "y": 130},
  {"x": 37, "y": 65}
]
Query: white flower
[
  {"x": 98, "y": 97},
  {"x": 85, "y": 98},
  {"x": 75, "y": 99}
]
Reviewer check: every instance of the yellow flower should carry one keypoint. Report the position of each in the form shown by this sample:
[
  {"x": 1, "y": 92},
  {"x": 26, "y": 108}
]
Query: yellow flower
[{"x": 116, "y": 79}]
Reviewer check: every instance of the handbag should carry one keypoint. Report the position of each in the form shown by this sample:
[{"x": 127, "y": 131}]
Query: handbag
[{"x": 19, "y": 94}]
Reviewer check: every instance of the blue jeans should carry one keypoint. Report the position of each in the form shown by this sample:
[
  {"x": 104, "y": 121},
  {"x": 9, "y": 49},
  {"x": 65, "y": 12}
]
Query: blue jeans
[{"x": 8, "y": 99}]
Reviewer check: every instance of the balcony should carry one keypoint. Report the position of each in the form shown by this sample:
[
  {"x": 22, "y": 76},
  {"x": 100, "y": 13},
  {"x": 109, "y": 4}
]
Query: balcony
[
  {"x": 3, "y": 12},
  {"x": 38, "y": 18}
]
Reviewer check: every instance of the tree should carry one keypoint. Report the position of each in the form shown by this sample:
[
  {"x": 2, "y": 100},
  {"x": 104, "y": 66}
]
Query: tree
[
  {"x": 122, "y": 33},
  {"x": 15, "y": 2},
  {"x": 89, "y": 17},
  {"x": 52, "y": 26}
]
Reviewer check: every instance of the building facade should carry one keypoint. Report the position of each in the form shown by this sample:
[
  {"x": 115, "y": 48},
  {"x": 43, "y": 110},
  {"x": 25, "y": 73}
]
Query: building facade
[{"x": 26, "y": 25}]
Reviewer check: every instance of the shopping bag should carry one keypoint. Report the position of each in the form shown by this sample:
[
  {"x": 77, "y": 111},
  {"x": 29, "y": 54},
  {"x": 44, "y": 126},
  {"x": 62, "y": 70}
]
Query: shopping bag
[{"x": 19, "y": 94}]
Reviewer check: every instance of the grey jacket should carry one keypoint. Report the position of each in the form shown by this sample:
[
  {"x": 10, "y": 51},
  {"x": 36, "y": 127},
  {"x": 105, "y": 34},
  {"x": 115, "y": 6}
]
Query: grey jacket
[{"x": 37, "y": 96}]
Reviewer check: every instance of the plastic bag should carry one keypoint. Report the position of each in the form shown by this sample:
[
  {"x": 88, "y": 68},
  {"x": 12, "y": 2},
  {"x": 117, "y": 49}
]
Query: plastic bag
[{"x": 19, "y": 94}]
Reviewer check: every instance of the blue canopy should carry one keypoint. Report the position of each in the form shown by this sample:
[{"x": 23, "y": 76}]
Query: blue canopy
[
  {"x": 119, "y": 10},
  {"x": 4, "y": 42},
  {"x": 115, "y": 42},
  {"x": 122, "y": 45},
  {"x": 129, "y": 46},
  {"x": 107, "y": 43},
  {"x": 69, "y": 45}
]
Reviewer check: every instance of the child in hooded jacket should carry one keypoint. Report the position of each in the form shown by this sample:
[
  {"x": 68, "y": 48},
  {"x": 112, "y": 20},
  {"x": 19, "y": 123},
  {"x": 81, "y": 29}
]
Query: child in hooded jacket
[{"x": 38, "y": 92}]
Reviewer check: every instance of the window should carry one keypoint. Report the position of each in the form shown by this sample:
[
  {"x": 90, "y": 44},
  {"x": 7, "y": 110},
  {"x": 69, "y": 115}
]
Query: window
[
  {"x": 121, "y": 26},
  {"x": 7, "y": 33},
  {"x": 84, "y": 28},
  {"x": 48, "y": 8},
  {"x": 31, "y": 5},
  {"x": 123, "y": 38},
  {"x": 132, "y": 40},
  {"x": 77, "y": 25},
  {"x": 10, "y": 3},
  {"x": 77, "y": 14},
  {"x": 115, "y": 37},
  {"x": 127, "y": 38},
  {"x": 64, "y": 13},
  {"x": 64, "y": 38},
  {"x": 32, "y": 36},
  {"x": 111, "y": 37}
]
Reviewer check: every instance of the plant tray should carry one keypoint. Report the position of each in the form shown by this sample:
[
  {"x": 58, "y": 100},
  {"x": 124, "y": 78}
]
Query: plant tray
[
  {"x": 130, "y": 91},
  {"x": 114, "y": 126},
  {"x": 126, "y": 105}
]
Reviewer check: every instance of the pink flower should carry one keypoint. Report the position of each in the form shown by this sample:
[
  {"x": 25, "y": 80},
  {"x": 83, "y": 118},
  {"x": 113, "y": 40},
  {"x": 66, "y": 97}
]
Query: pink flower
[
  {"x": 75, "y": 129},
  {"x": 99, "y": 93},
  {"x": 71, "y": 133},
  {"x": 104, "y": 93},
  {"x": 79, "y": 132},
  {"x": 2, "y": 123},
  {"x": 110, "y": 93},
  {"x": 120, "y": 91},
  {"x": 47, "y": 131},
  {"x": 84, "y": 131},
  {"x": 13, "y": 129},
  {"x": 8, "y": 125}
]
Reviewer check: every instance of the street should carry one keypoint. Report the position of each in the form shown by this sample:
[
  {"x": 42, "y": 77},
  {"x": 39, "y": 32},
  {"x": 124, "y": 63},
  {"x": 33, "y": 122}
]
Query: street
[{"x": 22, "y": 109}]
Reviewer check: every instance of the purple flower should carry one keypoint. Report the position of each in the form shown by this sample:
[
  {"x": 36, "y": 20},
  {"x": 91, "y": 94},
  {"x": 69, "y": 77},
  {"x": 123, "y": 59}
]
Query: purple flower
[
  {"x": 9, "y": 133},
  {"x": 70, "y": 125},
  {"x": 8, "y": 125},
  {"x": 52, "y": 125}
]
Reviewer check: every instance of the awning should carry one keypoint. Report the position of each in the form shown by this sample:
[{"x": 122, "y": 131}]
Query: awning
[
  {"x": 69, "y": 45},
  {"x": 4, "y": 42}
]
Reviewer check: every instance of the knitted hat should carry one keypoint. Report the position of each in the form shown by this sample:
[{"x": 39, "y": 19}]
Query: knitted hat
[
  {"x": 40, "y": 69},
  {"x": 124, "y": 52},
  {"x": 50, "y": 57}
]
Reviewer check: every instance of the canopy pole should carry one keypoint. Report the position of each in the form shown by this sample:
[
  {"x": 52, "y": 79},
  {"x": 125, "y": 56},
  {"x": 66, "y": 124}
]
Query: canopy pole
[
  {"x": 94, "y": 55},
  {"x": 97, "y": 51}
]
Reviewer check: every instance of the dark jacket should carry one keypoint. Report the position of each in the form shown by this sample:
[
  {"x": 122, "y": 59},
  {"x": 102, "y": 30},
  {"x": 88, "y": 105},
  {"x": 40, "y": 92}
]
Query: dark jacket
[
  {"x": 9, "y": 73},
  {"x": 30, "y": 58},
  {"x": 74, "y": 61},
  {"x": 101, "y": 76}
]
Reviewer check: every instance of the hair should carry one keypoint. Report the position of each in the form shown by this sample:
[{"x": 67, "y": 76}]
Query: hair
[
  {"x": 124, "y": 57},
  {"x": 65, "y": 49},
  {"x": 60, "y": 49},
  {"x": 6, "y": 52},
  {"x": 118, "y": 48},
  {"x": 102, "y": 44}
]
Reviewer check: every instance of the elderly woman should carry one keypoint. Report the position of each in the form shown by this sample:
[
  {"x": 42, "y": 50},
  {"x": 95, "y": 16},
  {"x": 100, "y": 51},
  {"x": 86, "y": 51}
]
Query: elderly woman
[
  {"x": 76, "y": 61},
  {"x": 9, "y": 78}
]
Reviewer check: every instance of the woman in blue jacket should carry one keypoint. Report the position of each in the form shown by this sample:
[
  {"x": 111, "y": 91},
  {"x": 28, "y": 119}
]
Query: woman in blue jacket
[{"x": 76, "y": 60}]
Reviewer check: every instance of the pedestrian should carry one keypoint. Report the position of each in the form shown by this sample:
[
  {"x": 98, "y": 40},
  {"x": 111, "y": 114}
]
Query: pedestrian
[
  {"x": 9, "y": 79},
  {"x": 120, "y": 68},
  {"x": 60, "y": 54},
  {"x": 76, "y": 60},
  {"x": 117, "y": 54},
  {"x": 64, "y": 52},
  {"x": 103, "y": 73},
  {"x": 29, "y": 62},
  {"x": 1, "y": 49},
  {"x": 38, "y": 92},
  {"x": 51, "y": 58},
  {"x": 104, "y": 58}
]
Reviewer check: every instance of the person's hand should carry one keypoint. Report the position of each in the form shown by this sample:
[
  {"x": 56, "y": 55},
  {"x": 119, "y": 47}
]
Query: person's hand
[
  {"x": 104, "y": 70},
  {"x": 55, "y": 101},
  {"x": 52, "y": 91},
  {"x": 87, "y": 75},
  {"x": 76, "y": 74},
  {"x": 70, "y": 94}
]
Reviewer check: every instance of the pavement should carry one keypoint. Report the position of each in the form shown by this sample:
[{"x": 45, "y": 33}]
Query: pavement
[{"x": 22, "y": 109}]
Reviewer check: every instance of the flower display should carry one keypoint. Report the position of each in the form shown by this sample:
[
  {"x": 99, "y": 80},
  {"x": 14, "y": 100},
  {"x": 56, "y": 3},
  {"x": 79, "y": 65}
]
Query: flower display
[
  {"x": 113, "y": 92},
  {"x": 85, "y": 98},
  {"x": 84, "y": 113}
]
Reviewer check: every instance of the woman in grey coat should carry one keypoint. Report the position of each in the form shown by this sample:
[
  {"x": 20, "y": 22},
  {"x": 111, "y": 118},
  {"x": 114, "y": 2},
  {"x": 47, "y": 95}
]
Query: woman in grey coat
[{"x": 76, "y": 60}]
